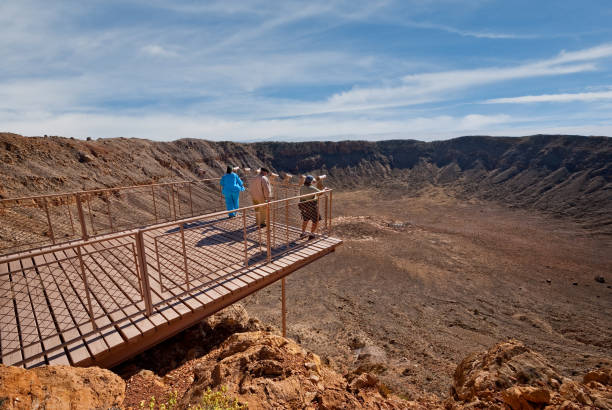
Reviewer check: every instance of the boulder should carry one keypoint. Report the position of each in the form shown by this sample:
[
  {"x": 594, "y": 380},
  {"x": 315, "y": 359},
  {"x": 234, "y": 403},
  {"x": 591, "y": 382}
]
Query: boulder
[
  {"x": 525, "y": 397},
  {"x": 371, "y": 359},
  {"x": 509, "y": 375},
  {"x": 85, "y": 158},
  {"x": 603, "y": 376},
  {"x": 234, "y": 317},
  {"x": 575, "y": 392},
  {"x": 60, "y": 387},
  {"x": 484, "y": 375}
]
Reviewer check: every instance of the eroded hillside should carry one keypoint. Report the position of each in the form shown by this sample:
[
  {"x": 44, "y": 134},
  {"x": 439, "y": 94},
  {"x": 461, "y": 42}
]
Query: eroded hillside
[{"x": 565, "y": 175}]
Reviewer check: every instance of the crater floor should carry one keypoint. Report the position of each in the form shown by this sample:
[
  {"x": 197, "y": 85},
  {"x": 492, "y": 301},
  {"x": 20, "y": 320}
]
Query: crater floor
[{"x": 424, "y": 280}]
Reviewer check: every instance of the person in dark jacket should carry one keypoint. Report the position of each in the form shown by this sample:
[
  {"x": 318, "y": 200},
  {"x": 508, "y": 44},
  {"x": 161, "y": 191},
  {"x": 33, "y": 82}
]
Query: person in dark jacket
[{"x": 232, "y": 186}]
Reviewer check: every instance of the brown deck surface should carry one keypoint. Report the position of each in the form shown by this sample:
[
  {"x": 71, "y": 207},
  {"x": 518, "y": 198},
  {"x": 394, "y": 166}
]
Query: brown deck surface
[{"x": 45, "y": 308}]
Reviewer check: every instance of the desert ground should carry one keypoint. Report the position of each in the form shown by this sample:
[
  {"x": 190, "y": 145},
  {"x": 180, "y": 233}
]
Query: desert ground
[{"x": 423, "y": 280}]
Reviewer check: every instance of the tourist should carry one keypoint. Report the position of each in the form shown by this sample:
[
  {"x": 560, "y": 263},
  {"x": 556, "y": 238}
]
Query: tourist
[
  {"x": 261, "y": 192},
  {"x": 232, "y": 186},
  {"x": 309, "y": 206}
]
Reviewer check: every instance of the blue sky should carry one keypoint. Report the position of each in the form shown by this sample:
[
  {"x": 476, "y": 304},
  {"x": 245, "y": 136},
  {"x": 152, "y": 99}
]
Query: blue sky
[{"x": 311, "y": 70}]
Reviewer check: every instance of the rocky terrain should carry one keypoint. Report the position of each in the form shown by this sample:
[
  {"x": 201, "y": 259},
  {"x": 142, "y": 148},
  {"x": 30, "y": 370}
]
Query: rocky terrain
[
  {"x": 422, "y": 281},
  {"x": 449, "y": 248},
  {"x": 59, "y": 387},
  {"x": 259, "y": 369}
]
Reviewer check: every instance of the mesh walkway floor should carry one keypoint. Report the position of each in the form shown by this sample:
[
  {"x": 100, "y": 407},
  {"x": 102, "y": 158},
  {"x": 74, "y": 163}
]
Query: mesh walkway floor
[{"x": 85, "y": 304}]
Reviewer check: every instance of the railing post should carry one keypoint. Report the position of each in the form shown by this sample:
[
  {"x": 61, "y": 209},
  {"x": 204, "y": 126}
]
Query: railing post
[
  {"x": 268, "y": 232},
  {"x": 93, "y": 227},
  {"x": 185, "y": 255},
  {"x": 246, "y": 255},
  {"x": 159, "y": 270},
  {"x": 81, "y": 217},
  {"x": 86, "y": 286},
  {"x": 142, "y": 260},
  {"x": 287, "y": 220},
  {"x": 257, "y": 212},
  {"x": 330, "y": 210},
  {"x": 173, "y": 203},
  {"x": 46, "y": 206},
  {"x": 283, "y": 307},
  {"x": 318, "y": 204},
  {"x": 154, "y": 204},
  {"x": 169, "y": 203},
  {"x": 273, "y": 212},
  {"x": 326, "y": 213},
  {"x": 190, "y": 199},
  {"x": 110, "y": 218}
]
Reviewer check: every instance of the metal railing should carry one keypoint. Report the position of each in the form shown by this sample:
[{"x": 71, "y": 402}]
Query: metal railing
[
  {"x": 37, "y": 221},
  {"x": 62, "y": 294}
]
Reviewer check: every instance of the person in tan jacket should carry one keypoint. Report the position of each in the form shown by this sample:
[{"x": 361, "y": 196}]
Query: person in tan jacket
[{"x": 261, "y": 192}]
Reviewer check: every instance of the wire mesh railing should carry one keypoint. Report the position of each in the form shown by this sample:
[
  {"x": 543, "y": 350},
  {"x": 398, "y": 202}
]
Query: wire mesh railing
[
  {"x": 53, "y": 297},
  {"x": 33, "y": 222},
  {"x": 204, "y": 250}
]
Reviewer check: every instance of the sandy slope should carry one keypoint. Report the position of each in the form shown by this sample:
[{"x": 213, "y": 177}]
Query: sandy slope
[{"x": 423, "y": 281}]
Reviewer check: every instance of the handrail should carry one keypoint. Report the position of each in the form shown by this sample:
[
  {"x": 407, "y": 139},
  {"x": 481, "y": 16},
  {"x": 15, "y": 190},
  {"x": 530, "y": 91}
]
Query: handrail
[
  {"x": 52, "y": 219},
  {"x": 64, "y": 247},
  {"x": 95, "y": 191},
  {"x": 220, "y": 213},
  {"x": 37, "y": 221},
  {"x": 109, "y": 237}
]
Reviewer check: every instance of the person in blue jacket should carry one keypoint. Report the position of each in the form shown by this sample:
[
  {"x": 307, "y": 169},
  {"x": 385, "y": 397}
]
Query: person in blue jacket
[{"x": 232, "y": 186}]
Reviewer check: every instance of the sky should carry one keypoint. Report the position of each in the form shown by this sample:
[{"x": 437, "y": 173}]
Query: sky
[{"x": 305, "y": 70}]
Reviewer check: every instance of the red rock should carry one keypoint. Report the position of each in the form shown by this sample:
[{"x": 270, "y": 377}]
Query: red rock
[{"x": 60, "y": 387}]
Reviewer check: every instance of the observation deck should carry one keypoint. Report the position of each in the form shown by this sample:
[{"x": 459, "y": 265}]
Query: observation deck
[{"x": 95, "y": 277}]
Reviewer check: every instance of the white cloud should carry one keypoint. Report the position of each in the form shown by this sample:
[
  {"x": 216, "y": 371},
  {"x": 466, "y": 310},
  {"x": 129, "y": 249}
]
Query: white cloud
[
  {"x": 593, "y": 53},
  {"x": 157, "y": 50},
  {"x": 469, "y": 33},
  {"x": 168, "y": 127},
  {"x": 591, "y": 96},
  {"x": 419, "y": 88}
]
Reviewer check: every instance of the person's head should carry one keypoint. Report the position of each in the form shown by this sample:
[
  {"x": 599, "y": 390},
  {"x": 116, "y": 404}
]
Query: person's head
[
  {"x": 230, "y": 169},
  {"x": 264, "y": 171},
  {"x": 308, "y": 180}
]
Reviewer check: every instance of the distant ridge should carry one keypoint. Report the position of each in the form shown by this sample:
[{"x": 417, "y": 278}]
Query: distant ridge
[{"x": 564, "y": 174}]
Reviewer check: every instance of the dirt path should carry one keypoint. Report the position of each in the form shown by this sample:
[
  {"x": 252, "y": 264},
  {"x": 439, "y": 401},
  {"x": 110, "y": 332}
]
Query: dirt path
[{"x": 422, "y": 282}]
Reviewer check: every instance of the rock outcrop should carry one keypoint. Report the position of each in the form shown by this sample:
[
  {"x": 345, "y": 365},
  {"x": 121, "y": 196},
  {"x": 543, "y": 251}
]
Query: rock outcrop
[
  {"x": 264, "y": 370},
  {"x": 509, "y": 375},
  {"x": 167, "y": 366},
  {"x": 60, "y": 387}
]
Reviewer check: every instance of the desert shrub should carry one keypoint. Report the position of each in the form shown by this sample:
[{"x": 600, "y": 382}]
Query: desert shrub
[
  {"x": 169, "y": 404},
  {"x": 210, "y": 400},
  {"x": 218, "y": 400}
]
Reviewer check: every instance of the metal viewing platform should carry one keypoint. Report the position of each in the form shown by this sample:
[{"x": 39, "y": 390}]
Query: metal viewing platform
[{"x": 122, "y": 269}]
